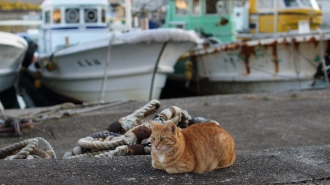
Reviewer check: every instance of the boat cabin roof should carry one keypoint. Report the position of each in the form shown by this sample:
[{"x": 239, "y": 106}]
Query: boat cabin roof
[
  {"x": 57, "y": 3},
  {"x": 283, "y": 4}
]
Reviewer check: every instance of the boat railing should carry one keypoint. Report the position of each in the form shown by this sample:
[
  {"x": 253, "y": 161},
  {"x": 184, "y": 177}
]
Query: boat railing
[{"x": 280, "y": 34}]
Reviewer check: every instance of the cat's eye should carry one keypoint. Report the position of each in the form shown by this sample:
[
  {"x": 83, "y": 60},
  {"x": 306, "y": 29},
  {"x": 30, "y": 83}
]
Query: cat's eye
[
  {"x": 153, "y": 138},
  {"x": 162, "y": 139}
]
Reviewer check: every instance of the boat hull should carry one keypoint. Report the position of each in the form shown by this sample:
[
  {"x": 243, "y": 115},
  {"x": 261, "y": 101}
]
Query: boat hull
[
  {"x": 83, "y": 74},
  {"x": 265, "y": 65},
  {"x": 118, "y": 88},
  {"x": 253, "y": 87},
  {"x": 12, "y": 50}
]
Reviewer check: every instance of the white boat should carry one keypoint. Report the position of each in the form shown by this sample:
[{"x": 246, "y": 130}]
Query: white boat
[
  {"x": 262, "y": 65},
  {"x": 12, "y": 50},
  {"x": 91, "y": 64},
  {"x": 278, "y": 46}
]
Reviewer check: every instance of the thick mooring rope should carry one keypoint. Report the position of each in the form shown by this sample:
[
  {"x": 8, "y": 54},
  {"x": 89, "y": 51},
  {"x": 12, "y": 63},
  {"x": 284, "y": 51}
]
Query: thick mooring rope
[
  {"x": 136, "y": 138},
  {"x": 27, "y": 148},
  {"x": 68, "y": 109},
  {"x": 94, "y": 143},
  {"x": 136, "y": 118},
  {"x": 104, "y": 134}
]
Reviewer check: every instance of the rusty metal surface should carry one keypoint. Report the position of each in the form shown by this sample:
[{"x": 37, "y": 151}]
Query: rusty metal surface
[{"x": 245, "y": 46}]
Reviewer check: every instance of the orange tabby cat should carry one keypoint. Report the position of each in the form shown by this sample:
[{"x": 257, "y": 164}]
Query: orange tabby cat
[{"x": 198, "y": 148}]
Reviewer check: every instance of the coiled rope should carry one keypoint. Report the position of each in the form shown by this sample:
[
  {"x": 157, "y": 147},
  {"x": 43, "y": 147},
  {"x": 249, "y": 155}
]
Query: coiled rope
[
  {"x": 135, "y": 141},
  {"x": 136, "y": 118},
  {"x": 27, "y": 149}
]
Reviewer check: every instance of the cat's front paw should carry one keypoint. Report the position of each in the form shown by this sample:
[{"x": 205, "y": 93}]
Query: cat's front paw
[
  {"x": 157, "y": 166},
  {"x": 172, "y": 170}
]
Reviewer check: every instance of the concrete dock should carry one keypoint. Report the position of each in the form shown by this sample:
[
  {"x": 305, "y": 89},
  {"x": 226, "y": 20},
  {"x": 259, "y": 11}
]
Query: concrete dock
[{"x": 281, "y": 138}]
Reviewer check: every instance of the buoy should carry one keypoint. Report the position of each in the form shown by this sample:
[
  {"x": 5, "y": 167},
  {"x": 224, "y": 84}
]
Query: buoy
[
  {"x": 188, "y": 73},
  {"x": 50, "y": 65},
  {"x": 37, "y": 81}
]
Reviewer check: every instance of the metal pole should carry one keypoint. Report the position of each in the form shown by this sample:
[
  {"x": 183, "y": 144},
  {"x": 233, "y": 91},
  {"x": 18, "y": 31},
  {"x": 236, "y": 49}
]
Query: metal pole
[
  {"x": 128, "y": 14},
  {"x": 106, "y": 70},
  {"x": 275, "y": 16},
  {"x": 155, "y": 71}
]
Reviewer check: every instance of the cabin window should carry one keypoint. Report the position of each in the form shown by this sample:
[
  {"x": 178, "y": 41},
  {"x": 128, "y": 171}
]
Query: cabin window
[
  {"x": 217, "y": 6},
  {"x": 291, "y": 3},
  {"x": 181, "y": 7},
  {"x": 196, "y": 7},
  {"x": 47, "y": 17},
  {"x": 307, "y": 3},
  {"x": 103, "y": 14},
  {"x": 91, "y": 15},
  {"x": 57, "y": 16},
  {"x": 265, "y": 4},
  {"x": 72, "y": 15}
]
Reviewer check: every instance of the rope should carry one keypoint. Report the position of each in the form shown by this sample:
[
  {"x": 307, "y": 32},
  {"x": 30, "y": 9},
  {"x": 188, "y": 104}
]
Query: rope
[
  {"x": 68, "y": 109},
  {"x": 87, "y": 154},
  {"x": 119, "y": 151},
  {"x": 92, "y": 143},
  {"x": 203, "y": 120},
  {"x": 33, "y": 157},
  {"x": 136, "y": 118},
  {"x": 179, "y": 116},
  {"x": 26, "y": 148},
  {"x": 147, "y": 150},
  {"x": 135, "y": 141},
  {"x": 40, "y": 153},
  {"x": 104, "y": 134}
]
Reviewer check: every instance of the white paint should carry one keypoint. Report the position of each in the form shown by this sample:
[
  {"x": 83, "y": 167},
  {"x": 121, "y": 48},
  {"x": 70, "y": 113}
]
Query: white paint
[
  {"x": 21, "y": 102},
  {"x": 130, "y": 71},
  {"x": 57, "y": 3},
  {"x": 226, "y": 66},
  {"x": 128, "y": 13},
  {"x": 13, "y": 47},
  {"x": 80, "y": 69}
]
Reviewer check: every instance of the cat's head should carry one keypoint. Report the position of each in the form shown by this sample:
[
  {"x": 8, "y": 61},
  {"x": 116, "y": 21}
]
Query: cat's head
[{"x": 163, "y": 136}]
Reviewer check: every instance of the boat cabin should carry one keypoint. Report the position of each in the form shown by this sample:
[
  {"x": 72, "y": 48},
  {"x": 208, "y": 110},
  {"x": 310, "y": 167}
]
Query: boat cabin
[
  {"x": 268, "y": 16},
  {"x": 211, "y": 18},
  {"x": 70, "y": 22}
]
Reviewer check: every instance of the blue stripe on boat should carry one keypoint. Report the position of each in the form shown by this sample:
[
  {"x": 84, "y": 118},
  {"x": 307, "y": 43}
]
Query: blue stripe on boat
[{"x": 95, "y": 27}]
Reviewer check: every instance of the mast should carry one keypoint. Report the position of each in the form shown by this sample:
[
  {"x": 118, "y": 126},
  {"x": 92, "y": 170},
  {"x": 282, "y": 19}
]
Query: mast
[
  {"x": 128, "y": 13},
  {"x": 275, "y": 16}
]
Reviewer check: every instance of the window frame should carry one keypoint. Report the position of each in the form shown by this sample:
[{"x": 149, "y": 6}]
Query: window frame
[
  {"x": 200, "y": 8},
  {"x": 185, "y": 14},
  {"x": 227, "y": 3},
  {"x": 47, "y": 17},
  {"x": 96, "y": 16},
  {"x": 60, "y": 16},
  {"x": 66, "y": 14}
]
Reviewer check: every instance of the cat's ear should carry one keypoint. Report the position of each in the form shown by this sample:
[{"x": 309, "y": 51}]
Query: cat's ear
[
  {"x": 152, "y": 125},
  {"x": 171, "y": 127}
]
